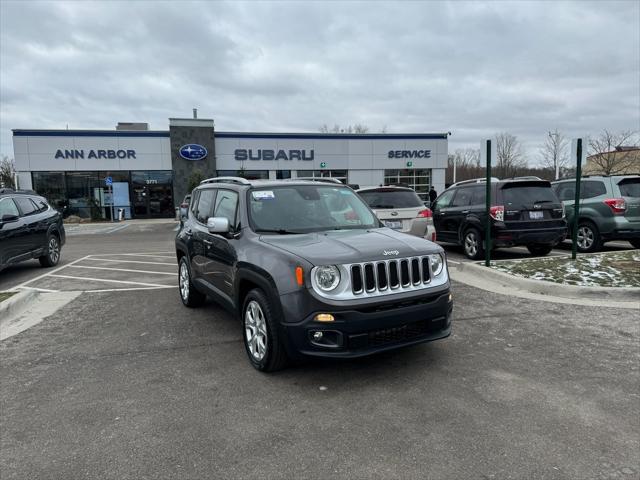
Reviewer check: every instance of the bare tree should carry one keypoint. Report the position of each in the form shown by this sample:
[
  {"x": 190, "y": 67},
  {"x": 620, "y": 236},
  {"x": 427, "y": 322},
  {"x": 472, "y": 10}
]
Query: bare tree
[
  {"x": 357, "y": 128},
  {"x": 7, "y": 172},
  {"x": 554, "y": 152},
  {"x": 510, "y": 156},
  {"x": 464, "y": 164},
  {"x": 609, "y": 153}
]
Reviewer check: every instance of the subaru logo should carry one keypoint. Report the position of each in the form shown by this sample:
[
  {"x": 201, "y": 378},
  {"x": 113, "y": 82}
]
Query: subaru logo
[{"x": 193, "y": 151}]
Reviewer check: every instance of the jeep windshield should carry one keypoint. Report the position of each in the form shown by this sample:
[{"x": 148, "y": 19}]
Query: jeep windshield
[{"x": 307, "y": 208}]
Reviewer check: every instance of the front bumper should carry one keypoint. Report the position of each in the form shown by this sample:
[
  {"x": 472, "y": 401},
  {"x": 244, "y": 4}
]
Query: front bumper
[{"x": 360, "y": 330}]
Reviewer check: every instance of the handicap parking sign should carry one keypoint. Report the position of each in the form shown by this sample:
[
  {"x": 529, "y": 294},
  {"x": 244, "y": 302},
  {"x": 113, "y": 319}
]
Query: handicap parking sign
[{"x": 108, "y": 181}]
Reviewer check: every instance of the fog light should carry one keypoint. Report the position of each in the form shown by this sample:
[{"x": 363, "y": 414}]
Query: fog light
[
  {"x": 324, "y": 317},
  {"x": 317, "y": 336}
]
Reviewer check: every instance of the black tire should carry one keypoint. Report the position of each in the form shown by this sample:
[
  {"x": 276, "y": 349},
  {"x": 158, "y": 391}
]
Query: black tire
[
  {"x": 53, "y": 251},
  {"x": 472, "y": 244},
  {"x": 260, "y": 333},
  {"x": 188, "y": 294},
  {"x": 588, "y": 239},
  {"x": 635, "y": 243},
  {"x": 539, "y": 250}
]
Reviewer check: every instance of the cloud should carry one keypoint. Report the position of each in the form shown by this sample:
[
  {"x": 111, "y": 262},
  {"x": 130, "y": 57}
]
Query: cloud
[{"x": 466, "y": 67}]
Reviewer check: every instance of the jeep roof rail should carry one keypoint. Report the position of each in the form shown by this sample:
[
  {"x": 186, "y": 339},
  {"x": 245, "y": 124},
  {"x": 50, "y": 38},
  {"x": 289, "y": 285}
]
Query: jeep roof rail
[
  {"x": 238, "y": 180},
  {"x": 474, "y": 180},
  {"x": 316, "y": 179}
]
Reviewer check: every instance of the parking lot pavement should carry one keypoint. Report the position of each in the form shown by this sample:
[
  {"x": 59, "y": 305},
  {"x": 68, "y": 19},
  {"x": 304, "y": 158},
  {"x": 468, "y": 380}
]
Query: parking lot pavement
[
  {"x": 132, "y": 384},
  {"x": 110, "y": 272}
]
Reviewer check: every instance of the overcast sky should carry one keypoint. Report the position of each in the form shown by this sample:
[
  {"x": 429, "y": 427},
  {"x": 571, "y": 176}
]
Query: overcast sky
[{"x": 470, "y": 68}]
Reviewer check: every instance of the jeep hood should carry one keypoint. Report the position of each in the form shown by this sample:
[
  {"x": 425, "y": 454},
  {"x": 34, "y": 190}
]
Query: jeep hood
[{"x": 351, "y": 246}]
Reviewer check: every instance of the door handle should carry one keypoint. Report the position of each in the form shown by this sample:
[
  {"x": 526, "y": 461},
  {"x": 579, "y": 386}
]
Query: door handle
[
  {"x": 188, "y": 233},
  {"x": 465, "y": 211},
  {"x": 208, "y": 242}
]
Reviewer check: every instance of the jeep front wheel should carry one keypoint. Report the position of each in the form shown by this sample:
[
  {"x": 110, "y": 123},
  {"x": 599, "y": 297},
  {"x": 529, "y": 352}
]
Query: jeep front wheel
[{"x": 261, "y": 336}]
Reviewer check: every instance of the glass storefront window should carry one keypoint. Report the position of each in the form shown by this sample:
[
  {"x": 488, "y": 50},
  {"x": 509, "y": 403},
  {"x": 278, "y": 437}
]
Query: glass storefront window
[
  {"x": 85, "y": 195},
  {"x": 152, "y": 193},
  {"x": 339, "y": 174},
  {"x": 419, "y": 179},
  {"x": 283, "y": 174},
  {"x": 51, "y": 186},
  {"x": 248, "y": 174}
]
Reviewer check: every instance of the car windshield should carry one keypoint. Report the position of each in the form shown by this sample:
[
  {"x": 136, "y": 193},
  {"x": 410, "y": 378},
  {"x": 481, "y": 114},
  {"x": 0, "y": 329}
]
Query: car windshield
[
  {"x": 307, "y": 208},
  {"x": 630, "y": 187},
  {"x": 391, "y": 198},
  {"x": 518, "y": 196}
]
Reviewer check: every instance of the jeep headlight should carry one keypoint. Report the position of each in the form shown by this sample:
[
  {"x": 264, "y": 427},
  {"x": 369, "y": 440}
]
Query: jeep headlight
[
  {"x": 327, "y": 277},
  {"x": 437, "y": 264}
]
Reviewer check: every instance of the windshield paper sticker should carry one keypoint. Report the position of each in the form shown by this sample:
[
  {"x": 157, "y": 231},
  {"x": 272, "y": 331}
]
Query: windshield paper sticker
[{"x": 263, "y": 195}]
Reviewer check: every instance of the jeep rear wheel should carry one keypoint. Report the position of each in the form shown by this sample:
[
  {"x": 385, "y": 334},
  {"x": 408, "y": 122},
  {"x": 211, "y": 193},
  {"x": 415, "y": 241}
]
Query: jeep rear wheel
[
  {"x": 188, "y": 293},
  {"x": 472, "y": 244},
  {"x": 260, "y": 332}
]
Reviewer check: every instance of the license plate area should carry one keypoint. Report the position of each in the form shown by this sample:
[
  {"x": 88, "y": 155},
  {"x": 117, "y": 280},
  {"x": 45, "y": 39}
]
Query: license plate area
[
  {"x": 395, "y": 224},
  {"x": 536, "y": 215}
]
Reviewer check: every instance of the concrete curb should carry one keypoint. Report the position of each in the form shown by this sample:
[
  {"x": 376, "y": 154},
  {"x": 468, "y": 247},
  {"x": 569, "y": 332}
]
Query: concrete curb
[
  {"x": 16, "y": 302},
  {"x": 541, "y": 287}
]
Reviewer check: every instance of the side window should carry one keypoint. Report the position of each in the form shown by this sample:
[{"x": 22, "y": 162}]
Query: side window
[
  {"x": 445, "y": 199},
  {"x": 462, "y": 198},
  {"x": 205, "y": 205},
  {"x": 26, "y": 206},
  {"x": 592, "y": 188},
  {"x": 226, "y": 204},
  {"x": 41, "y": 204},
  {"x": 7, "y": 207},
  {"x": 566, "y": 191},
  {"x": 478, "y": 195},
  {"x": 194, "y": 201}
]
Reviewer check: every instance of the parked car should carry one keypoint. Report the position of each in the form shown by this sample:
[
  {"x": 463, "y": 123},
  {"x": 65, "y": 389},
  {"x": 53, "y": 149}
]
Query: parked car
[
  {"x": 29, "y": 228},
  {"x": 309, "y": 270},
  {"x": 523, "y": 212},
  {"x": 400, "y": 208},
  {"x": 609, "y": 209}
]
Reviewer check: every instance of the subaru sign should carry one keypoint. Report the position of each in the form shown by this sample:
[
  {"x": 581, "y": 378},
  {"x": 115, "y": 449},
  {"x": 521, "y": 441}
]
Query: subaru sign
[{"x": 193, "y": 151}]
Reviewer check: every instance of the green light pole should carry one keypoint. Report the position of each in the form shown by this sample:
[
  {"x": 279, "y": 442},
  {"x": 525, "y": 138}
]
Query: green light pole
[
  {"x": 487, "y": 230},
  {"x": 576, "y": 205}
]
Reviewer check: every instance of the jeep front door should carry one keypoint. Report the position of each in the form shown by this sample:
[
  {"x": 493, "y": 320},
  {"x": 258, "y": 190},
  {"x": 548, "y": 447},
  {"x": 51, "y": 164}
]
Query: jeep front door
[{"x": 221, "y": 248}]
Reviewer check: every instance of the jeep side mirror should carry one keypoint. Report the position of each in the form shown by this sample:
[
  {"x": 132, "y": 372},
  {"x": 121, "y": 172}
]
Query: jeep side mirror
[{"x": 218, "y": 225}]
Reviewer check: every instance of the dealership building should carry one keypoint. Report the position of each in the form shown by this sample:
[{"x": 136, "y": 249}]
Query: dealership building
[{"x": 148, "y": 172}]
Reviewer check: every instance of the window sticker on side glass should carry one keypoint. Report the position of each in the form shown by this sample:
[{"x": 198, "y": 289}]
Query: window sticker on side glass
[{"x": 263, "y": 195}]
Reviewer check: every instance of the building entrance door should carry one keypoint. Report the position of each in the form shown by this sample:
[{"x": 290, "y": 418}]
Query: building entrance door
[{"x": 152, "y": 194}]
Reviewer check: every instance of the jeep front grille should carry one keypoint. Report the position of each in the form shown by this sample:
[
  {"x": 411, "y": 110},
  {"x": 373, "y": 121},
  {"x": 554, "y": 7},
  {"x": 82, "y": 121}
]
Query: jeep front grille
[{"x": 390, "y": 275}]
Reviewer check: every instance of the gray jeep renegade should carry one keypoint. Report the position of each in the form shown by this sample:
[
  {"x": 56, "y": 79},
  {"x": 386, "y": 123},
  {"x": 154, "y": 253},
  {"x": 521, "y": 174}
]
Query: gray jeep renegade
[{"x": 309, "y": 270}]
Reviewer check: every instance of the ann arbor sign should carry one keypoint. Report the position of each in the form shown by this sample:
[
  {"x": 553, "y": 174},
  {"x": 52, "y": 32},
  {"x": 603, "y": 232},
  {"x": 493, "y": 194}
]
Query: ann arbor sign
[{"x": 106, "y": 154}]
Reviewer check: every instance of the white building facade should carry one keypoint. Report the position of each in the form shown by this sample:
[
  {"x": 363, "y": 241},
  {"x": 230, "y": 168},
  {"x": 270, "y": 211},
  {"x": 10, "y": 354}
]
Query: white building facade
[{"x": 150, "y": 171}]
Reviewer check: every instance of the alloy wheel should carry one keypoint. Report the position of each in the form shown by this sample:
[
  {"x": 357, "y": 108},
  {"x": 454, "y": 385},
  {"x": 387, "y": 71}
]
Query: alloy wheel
[
  {"x": 586, "y": 237},
  {"x": 255, "y": 327},
  {"x": 184, "y": 281},
  {"x": 54, "y": 250},
  {"x": 471, "y": 244}
]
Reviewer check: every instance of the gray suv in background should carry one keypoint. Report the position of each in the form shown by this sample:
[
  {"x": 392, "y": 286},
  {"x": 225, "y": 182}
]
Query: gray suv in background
[
  {"x": 309, "y": 270},
  {"x": 609, "y": 209}
]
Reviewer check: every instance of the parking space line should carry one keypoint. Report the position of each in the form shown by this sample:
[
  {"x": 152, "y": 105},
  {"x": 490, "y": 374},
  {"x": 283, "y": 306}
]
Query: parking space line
[
  {"x": 132, "y": 261},
  {"x": 124, "y": 270},
  {"x": 90, "y": 279},
  {"x": 46, "y": 290},
  {"x": 132, "y": 254},
  {"x": 44, "y": 275},
  {"x": 453, "y": 261},
  {"x": 127, "y": 289}
]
